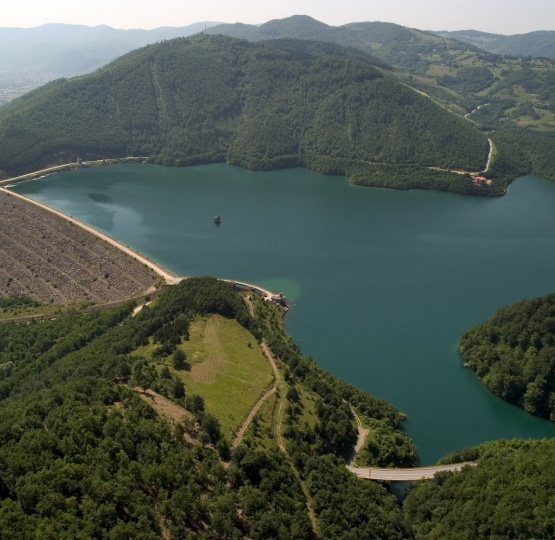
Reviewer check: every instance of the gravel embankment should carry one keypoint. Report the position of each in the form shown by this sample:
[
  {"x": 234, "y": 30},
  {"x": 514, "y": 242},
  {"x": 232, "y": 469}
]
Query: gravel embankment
[{"x": 51, "y": 260}]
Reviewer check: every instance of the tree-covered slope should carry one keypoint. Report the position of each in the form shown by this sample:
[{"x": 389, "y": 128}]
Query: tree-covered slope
[
  {"x": 540, "y": 43},
  {"x": 510, "y": 495},
  {"x": 490, "y": 90},
  {"x": 85, "y": 452},
  {"x": 210, "y": 98},
  {"x": 514, "y": 354}
]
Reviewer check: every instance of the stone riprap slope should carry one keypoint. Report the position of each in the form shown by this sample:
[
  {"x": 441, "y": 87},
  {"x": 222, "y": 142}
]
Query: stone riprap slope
[{"x": 51, "y": 260}]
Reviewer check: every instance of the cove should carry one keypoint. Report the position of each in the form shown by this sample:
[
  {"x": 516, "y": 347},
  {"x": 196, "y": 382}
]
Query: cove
[{"x": 383, "y": 282}]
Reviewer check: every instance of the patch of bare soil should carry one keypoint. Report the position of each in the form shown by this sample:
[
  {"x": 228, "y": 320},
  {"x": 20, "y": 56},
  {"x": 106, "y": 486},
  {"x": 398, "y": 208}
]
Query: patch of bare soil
[{"x": 163, "y": 406}]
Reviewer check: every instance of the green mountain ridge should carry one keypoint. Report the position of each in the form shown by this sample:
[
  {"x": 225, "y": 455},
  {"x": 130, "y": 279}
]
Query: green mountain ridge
[
  {"x": 459, "y": 75},
  {"x": 511, "y": 98},
  {"x": 258, "y": 105},
  {"x": 540, "y": 43}
]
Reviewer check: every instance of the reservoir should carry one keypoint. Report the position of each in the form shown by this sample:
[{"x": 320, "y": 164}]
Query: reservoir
[{"x": 383, "y": 282}]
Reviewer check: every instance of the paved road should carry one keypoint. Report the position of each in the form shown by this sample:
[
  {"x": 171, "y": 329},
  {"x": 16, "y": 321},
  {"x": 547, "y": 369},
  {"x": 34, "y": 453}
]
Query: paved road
[
  {"x": 406, "y": 475},
  {"x": 267, "y": 295}
]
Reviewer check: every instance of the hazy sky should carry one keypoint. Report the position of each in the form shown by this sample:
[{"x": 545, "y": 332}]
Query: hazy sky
[{"x": 497, "y": 16}]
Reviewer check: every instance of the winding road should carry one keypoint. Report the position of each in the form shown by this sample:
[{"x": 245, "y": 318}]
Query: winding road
[{"x": 390, "y": 474}]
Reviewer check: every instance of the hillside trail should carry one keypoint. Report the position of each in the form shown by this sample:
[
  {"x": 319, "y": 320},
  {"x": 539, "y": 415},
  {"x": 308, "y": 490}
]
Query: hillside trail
[
  {"x": 246, "y": 422},
  {"x": 361, "y": 437}
]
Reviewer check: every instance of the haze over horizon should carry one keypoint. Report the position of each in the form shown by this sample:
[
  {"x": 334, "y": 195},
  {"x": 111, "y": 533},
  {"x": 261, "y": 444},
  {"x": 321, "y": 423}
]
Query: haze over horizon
[{"x": 495, "y": 16}]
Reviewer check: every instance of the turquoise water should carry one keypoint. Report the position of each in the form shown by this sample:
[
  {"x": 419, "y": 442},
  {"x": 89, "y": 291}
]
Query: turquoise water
[{"x": 383, "y": 282}]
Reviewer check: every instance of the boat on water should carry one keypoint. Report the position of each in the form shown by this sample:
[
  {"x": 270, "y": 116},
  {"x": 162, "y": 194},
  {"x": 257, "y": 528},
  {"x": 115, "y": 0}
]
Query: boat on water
[{"x": 217, "y": 220}]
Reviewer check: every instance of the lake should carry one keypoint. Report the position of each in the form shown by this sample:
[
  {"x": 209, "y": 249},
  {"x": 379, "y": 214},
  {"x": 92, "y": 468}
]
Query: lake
[{"x": 383, "y": 282}]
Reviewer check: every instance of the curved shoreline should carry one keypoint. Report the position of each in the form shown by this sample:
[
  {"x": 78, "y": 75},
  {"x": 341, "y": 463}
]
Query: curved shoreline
[
  {"x": 8, "y": 182},
  {"x": 68, "y": 167},
  {"x": 168, "y": 277}
]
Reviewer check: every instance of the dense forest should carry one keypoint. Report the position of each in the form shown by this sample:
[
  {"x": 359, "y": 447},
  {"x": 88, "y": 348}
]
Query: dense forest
[
  {"x": 83, "y": 456},
  {"x": 458, "y": 74},
  {"x": 514, "y": 354},
  {"x": 510, "y": 495},
  {"x": 492, "y": 91},
  {"x": 262, "y": 106}
]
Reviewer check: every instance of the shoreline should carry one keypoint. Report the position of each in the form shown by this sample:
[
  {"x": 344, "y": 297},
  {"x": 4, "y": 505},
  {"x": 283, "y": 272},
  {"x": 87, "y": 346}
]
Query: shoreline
[
  {"x": 168, "y": 277},
  {"x": 35, "y": 175}
]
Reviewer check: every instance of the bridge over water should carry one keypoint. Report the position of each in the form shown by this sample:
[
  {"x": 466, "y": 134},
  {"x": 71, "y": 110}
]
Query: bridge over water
[{"x": 406, "y": 475}]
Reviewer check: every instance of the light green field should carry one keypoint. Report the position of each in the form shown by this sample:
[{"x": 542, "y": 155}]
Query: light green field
[
  {"x": 261, "y": 431},
  {"x": 228, "y": 373}
]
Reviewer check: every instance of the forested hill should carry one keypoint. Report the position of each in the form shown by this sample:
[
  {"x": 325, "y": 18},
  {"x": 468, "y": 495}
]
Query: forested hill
[
  {"x": 540, "y": 43},
  {"x": 514, "y": 354},
  {"x": 510, "y": 495},
  {"x": 258, "y": 105},
  {"x": 512, "y": 98},
  {"x": 87, "y": 453},
  {"x": 109, "y": 429}
]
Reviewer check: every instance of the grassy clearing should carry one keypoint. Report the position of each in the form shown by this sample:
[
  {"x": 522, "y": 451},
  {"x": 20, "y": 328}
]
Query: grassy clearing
[
  {"x": 261, "y": 430},
  {"x": 307, "y": 400},
  {"x": 227, "y": 368}
]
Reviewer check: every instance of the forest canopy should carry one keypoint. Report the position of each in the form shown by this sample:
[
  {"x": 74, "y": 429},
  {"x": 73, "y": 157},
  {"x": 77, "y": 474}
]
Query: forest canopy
[
  {"x": 514, "y": 354},
  {"x": 259, "y": 105}
]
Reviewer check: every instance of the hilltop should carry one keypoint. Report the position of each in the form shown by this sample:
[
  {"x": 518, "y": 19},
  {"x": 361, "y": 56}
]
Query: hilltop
[
  {"x": 120, "y": 427},
  {"x": 512, "y": 98},
  {"x": 259, "y": 105}
]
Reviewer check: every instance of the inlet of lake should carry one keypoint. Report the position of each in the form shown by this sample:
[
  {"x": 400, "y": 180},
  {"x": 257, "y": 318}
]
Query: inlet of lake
[{"x": 382, "y": 282}]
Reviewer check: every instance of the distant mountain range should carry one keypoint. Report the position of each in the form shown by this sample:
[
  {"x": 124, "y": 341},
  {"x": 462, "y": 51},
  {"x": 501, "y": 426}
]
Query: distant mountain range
[
  {"x": 33, "y": 56},
  {"x": 66, "y": 50},
  {"x": 538, "y": 44}
]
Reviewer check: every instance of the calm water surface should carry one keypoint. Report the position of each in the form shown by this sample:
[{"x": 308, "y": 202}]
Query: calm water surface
[{"x": 384, "y": 282}]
